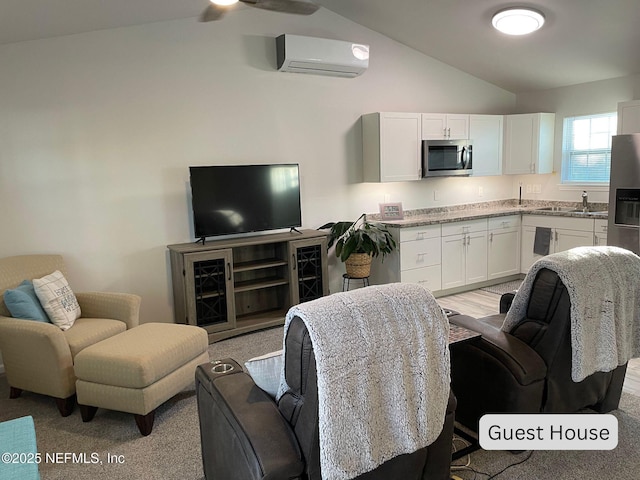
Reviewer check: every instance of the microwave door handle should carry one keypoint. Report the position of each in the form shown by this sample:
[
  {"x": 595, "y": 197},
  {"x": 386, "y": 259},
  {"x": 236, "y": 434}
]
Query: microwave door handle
[{"x": 462, "y": 158}]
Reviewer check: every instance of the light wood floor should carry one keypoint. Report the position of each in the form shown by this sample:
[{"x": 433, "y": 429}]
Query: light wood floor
[{"x": 479, "y": 303}]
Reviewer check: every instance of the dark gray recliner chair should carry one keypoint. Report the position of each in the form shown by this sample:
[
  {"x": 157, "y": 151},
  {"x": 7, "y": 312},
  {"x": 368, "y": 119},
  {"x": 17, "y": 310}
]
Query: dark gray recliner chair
[
  {"x": 528, "y": 369},
  {"x": 246, "y": 435}
]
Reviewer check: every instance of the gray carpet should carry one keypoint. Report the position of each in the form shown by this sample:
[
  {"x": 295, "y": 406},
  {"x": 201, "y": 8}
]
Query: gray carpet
[{"x": 172, "y": 451}]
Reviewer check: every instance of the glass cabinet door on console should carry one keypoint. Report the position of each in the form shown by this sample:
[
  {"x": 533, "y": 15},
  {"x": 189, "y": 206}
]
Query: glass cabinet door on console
[
  {"x": 209, "y": 303},
  {"x": 306, "y": 271}
]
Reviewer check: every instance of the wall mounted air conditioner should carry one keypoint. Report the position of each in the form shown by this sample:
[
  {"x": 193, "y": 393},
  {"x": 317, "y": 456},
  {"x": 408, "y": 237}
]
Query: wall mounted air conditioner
[{"x": 321, "y": 56}]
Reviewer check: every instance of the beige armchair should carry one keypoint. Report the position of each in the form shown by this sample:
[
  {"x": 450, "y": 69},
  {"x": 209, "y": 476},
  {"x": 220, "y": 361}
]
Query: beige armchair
[{"x": 38, "y": 357}]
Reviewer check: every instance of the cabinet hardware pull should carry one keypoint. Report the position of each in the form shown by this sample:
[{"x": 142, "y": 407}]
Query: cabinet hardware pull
[
  {"x": 491, "y": 237},
  {"x": 293, "y": 257},
  {"x": 229, "y": 270}
]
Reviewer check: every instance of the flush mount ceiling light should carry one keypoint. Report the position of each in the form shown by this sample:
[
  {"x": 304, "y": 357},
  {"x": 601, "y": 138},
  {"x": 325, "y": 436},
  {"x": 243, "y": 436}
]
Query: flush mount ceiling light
[{"x": 517, "y": 21}]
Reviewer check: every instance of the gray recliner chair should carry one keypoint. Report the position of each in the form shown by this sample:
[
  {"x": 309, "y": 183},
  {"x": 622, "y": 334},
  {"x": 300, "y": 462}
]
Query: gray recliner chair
[
  {"x": 527, "y": 369},
  {"x": 246, "y": 434}
]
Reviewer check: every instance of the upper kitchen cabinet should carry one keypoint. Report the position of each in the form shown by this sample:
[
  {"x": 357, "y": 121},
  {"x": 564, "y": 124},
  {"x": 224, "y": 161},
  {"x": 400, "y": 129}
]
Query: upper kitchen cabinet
[
  {"x": 528, "y": 145},
  {"x": 445, "y": 126},
  {"x": 485, "y": 133},
  {"x": 629, "y": 117},
  {"x": 391, "y": 147}
]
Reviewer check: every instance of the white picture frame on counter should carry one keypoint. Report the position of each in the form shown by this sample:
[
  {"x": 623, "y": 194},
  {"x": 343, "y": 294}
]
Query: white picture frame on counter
[{"x": 391, "y": 211}]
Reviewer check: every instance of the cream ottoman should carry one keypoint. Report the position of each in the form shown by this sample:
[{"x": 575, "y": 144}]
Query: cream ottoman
[{"x": 139, "y": 369}]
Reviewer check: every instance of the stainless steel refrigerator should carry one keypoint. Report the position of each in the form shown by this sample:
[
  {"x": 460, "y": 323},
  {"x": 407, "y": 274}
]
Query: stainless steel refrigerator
[{"x": 624, "y": 192}]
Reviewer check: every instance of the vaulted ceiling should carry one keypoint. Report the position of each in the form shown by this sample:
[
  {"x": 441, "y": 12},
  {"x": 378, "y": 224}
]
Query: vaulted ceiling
[{"x": 581, "y": 41}]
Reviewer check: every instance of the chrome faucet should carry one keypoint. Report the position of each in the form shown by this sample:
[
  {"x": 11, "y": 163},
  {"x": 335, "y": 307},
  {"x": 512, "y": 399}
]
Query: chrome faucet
[{"x": 585, "y": 201}]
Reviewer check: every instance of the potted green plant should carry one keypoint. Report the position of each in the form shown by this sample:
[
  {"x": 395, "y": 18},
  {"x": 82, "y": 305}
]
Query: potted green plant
[{"x": 357, "y": 243}]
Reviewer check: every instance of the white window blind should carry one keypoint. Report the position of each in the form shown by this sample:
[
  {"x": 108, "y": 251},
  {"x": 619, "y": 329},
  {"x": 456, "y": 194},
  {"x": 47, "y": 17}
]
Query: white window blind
[{"x": 586, "y": 148}]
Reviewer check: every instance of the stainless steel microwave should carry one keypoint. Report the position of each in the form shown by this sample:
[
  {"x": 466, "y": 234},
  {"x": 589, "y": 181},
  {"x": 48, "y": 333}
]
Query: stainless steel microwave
[{"x": 443, "y": 158}]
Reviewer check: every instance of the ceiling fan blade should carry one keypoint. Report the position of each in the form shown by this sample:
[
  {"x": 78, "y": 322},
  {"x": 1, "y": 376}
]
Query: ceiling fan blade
[
  {"x": 285, "y": 6},
  {"x": 211, "y": 13}
]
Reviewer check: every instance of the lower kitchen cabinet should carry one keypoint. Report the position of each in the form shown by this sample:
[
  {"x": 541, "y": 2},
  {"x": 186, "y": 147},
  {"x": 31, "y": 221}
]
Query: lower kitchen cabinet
[
  {"x": 466, "y": 254},
  {"x": 566, "y": 233},
  {"x": 503, "y": 251},
  {"x": 464, "y": 250},
  {"x": 416, "y": 260}
]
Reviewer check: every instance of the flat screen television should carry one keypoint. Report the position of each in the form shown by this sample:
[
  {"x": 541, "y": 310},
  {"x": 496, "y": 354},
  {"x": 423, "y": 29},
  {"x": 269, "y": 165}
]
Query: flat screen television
[{"x": 236, "y": 199}]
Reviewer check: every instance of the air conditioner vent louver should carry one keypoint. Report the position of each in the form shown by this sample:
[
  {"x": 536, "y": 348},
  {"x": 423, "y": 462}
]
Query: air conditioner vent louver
[{"x": 321, "y": 56}]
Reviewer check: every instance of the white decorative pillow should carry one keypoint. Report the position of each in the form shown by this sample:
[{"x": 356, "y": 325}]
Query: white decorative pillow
[
  {"x": 265, "y": 371},
  {"x": 57, "y": 299}
]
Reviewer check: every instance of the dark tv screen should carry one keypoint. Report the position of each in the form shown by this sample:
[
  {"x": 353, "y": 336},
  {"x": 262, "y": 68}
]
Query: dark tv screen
[{"x": 233, "y": 199}]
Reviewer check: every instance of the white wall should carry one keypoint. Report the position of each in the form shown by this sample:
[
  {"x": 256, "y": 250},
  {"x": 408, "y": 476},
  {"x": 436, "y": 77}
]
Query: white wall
[
  {"x": 97, "y": 131},
  {"x": 583, "y": 99}
]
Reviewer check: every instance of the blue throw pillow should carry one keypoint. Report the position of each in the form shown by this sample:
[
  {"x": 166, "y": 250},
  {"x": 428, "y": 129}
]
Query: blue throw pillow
[{"x": 22, "y": 302}]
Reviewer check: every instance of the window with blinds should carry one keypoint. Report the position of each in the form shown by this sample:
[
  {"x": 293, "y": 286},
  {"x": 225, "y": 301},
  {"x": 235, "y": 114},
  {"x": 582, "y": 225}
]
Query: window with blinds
[{"x": 586, "y": 148}]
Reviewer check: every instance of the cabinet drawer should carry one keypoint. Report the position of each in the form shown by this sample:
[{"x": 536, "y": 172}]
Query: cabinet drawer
[
  {"x": 419, "y": 233},
  {"x": 468, "y": 226},
  {"x": 511, "y": 221},
  {"x": 420, "y": 254},
  {"x": 427, "y": 276}
]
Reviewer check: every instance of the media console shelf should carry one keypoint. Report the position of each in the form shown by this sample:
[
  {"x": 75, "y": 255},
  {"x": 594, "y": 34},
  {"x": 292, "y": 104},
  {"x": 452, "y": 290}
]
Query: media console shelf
[{"x": 235, "y": 286}]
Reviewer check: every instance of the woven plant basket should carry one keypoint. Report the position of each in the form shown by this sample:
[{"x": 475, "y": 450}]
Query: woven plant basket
[{"x": 358, "y": 265}]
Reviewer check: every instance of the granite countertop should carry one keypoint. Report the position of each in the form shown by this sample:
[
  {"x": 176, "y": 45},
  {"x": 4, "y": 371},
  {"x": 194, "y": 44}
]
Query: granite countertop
[{"x": 499, "y": 208}]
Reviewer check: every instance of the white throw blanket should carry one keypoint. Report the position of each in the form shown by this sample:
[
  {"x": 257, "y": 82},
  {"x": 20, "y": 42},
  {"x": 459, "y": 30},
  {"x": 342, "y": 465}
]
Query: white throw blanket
[
  {"x": 604, "y": 288},
  {"x": 383, "y": 374}
]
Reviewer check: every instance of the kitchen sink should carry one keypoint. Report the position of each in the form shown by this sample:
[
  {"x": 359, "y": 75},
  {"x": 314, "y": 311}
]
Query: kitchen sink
[
  {"x": 558, "y": 209},
  {"x": 570, "y": 210}
]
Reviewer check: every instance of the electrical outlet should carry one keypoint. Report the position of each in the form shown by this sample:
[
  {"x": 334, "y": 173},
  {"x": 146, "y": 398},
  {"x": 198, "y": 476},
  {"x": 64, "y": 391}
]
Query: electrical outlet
[
  {"x": 480, "y": 191},
  {"x": 537, "y": 188},
  {"x": 528, "y": 188},
  {"x": 387, "y": 198},
  {"x": 436, "y": 195}
]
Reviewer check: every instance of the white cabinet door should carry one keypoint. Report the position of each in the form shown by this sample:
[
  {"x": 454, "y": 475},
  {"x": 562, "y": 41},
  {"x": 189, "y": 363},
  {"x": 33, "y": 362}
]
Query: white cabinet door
[
  {"x": 629, "y": 117},
  {"x": 434, "y": 126},
  {"x": 445, "y": 126},
  {"x": 391, "y": 147},
  {"x": 453, "y": 266},
  {"x": 457, "y": 126},
  {"x": 600, "y": 240},
  {"x": 486, "y": 133},
  {"x": 528, "y": 144},
  {"x": 527, "y": 257},
  {"x": 579, "y": 234},
  {"x": 600, "y": 232},
  {"x": 503, "y": 253},
  {"x": 567, "y": 239},
  {"x": 476, "y": 257}
]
